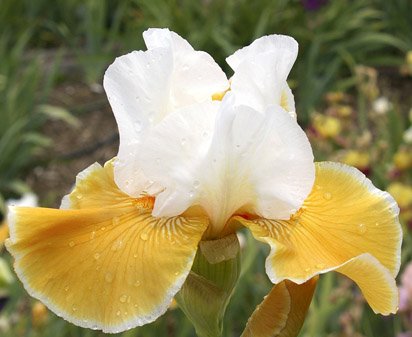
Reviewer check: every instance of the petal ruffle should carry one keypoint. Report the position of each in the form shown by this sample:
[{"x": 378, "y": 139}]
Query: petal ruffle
[
  {"x": 344, "y": 217},
  {"x": 282, "y": 312},
  {"x": 261, "y": 70},
  {"x": 145, "y": 86},
  {"x": 376, "y": 282},
  {"x": 111, "y": 267}
]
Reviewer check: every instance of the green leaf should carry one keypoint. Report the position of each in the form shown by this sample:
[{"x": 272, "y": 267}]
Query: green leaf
[{"x": 58, "y": 113}]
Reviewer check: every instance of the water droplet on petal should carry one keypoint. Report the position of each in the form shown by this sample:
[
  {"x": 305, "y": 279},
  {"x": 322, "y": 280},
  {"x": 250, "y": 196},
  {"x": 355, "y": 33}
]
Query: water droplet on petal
[
  {"x": 135, "y": 255},
  {"x": 377, "y": 224},
  {"x": 71, "y": 244},
  {"x": 96, "y": 256},
  {"x": 307, "y": 270},
  {"x": 66, "y": 289},
  {"x": 137, "y": 283},
  {"x": 117, "y": 246},
  {"x": 362, "y": 228},
  {"x": 109, "y": 277},
  {"x": 196, "y": 183},
  {"x": 327, "y": 195},
  {"x": 320, "y": 266},
  {"x": 79, "y": 196},
  {"x": 123, "y": 298},
  {"x": 144, "y": 236},
  {"x": 115, "y": 221},
  {"x": 74, "y": 308},
  {"x": 118, "y": 313},
  {"x": 92, "y": 235}
]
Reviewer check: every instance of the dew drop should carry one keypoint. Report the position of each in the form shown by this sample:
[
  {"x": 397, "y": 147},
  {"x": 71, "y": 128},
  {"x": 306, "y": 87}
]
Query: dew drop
[
  {"x": 191, "y": 193},
  {"x": 135, "y": 255},
  {"x": 320, "y": 266},
  {"x": 137, "y": 283},
  {"x": 144, "y": 236},
  {"x": 362, "y": 228},
  {"x": 327, "y": 195},
  {"x": 79, "y": 196},
  {"x": 115, "y": 221},
  {"x": 103, "y": 228},
  {"x": 108, "y": 277},
  {"x": 377, "y": 224},
  {"x": 177, "y": 273},
  {"x": 318, "y": 187},
  {"x": 71, "y": 244},
  {"x": 96, "y": 256},
  {"x": 307, "y": 270},
  {"x": 138, "y": 126},
  {"x": 205, "y": 134},
  {"x": 196, "y": 183},
  {"x": 118, "y": 313},
  {"x": 74, "y": 308},
  {"x": 117, "y": 246},
  {"x": 92, "y": 235},
  {"x": 66, "y": 289},
  {"x": 123, "y": 298}
]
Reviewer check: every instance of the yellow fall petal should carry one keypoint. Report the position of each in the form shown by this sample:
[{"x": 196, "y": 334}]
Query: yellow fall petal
[
  {"x": 111, "y": 268},
  {"x": 282, "y": 312},
  {"x": 4, "y": 233},
  {"x": 377, "y": 284},
  {"x": 343, "y": 217}
]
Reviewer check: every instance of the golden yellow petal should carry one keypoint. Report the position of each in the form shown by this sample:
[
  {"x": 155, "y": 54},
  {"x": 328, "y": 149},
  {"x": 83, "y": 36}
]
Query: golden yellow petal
[
  {"x": 377, "y": 284},
  {"x": 95, "y": 188},
  {"x": 343, "y": 217},
  {"x": 110, "y": 268},
  {"x": 282, "y": 312},
  {"x": 4, "y": 233}
]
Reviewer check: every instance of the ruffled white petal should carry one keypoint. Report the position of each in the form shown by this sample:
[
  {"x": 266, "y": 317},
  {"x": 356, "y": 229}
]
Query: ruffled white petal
[
  {"x": 144, "y": 87},
  {"x": 261, "y": 70},
  {"x": 225, "y": 157}
]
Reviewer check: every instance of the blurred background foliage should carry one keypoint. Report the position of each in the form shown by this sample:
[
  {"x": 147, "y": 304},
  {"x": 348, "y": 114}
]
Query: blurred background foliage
[{"x": 352, "y": 84}]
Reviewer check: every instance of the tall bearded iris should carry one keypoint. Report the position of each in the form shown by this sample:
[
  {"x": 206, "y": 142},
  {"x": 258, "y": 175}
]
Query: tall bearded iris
[{"x": 199, "y": 158}]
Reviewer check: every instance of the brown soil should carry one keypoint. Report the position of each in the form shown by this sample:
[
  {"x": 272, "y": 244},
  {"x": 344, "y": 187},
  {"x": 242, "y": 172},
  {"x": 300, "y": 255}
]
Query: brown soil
[{"x": 74, "y": 148}]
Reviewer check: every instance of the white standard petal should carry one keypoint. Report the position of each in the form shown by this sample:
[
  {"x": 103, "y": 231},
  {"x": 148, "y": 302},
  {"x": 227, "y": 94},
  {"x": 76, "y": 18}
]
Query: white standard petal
[
  {"x": 261, "y": 70},
  {"x": 145, "y": 86},
  {"x": 226, "y": 158}
]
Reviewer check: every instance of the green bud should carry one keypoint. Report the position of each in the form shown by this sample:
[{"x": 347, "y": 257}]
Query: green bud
[{"x": 210, "y": 284}]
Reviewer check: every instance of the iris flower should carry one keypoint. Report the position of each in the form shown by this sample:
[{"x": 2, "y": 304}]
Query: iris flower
[{"x": 200, "y": 157}]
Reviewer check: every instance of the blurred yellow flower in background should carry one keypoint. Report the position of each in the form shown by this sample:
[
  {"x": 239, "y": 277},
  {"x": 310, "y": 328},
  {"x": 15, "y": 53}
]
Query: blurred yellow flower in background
[
  {"x": 359, "y": 159},
  {"x": 326, "y": 126},
  {"x": 402, "y": 159}
]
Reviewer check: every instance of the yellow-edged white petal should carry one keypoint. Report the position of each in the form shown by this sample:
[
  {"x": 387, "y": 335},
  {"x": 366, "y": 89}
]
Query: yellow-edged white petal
[
  {"x": 145, "y": 86},
  {"x": 344, "y": 217},
  {"x": 224, "y": 157},
  {"x": 261, "y": 70},
  {"x": 103, "y": 265},
  {"x": 282, "y": 312}
]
